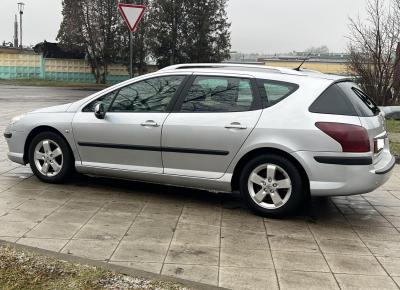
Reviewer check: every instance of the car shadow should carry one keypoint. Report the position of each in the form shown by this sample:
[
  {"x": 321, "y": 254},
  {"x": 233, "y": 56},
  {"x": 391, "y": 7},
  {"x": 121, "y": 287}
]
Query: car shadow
[{"x": 312, "y": 209}]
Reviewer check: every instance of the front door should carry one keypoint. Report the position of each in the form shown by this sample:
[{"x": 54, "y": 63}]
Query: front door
[
  {"x": 213, "y": 118},
  {"x": 128, "y": 138}
]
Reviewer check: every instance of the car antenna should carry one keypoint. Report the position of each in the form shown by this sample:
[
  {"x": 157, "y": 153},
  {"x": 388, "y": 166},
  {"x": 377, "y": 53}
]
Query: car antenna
[{"x": 303, "y": 62}]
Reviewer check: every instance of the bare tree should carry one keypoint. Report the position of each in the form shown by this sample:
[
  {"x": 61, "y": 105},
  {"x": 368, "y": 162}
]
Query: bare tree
[
  {"x": 372, "y": 48},
  {"x": 96, "y": 27}
]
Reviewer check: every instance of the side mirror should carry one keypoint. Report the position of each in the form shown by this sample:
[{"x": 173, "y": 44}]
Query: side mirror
[{"x": 99, "y": 111}]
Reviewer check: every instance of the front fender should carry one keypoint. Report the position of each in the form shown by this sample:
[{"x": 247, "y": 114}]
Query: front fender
[{"x": 33, "y": 123}]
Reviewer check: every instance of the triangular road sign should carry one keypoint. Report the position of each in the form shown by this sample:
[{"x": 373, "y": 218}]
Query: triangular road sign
[{"x": 131, "y": 14}]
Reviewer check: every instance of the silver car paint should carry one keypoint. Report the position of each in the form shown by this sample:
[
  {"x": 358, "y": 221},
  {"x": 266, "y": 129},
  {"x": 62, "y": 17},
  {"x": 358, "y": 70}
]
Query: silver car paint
[
  {"x": 121, "y": 128},
  {"x": 286, "y": 126},
  {"x": 209, "y": 131},
  {"x": 205, "y": 131}
]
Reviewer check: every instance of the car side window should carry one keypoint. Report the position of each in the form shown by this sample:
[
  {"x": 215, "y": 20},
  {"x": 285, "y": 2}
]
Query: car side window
[
  {"x": 106, "y": 100},
  {"x": 151, "y": 95},
  {"x": 273, "y": 92},
  {"x": 333, "y": 101},
  {"x": 218, "y": 94}
]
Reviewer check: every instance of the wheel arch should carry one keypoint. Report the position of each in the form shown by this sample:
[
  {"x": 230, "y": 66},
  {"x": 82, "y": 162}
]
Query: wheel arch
[
  {"x": 266, "y": 150},
  {"x": 38, "y": 130}
]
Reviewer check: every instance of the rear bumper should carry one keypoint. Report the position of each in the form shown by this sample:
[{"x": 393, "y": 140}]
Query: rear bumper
[
  {"x": 349, "y": 174},
  {"x": 387, "y": 168}
]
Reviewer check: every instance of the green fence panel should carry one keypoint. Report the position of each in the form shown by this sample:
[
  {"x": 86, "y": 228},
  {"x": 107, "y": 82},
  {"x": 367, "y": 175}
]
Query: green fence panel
[
  {"x": 19, "y": 72},
  {"x": 26, "y": 72}
]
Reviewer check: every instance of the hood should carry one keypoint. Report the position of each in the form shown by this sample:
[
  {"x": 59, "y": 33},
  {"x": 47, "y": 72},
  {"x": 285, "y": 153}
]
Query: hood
[{"x": 54, "y": 109}]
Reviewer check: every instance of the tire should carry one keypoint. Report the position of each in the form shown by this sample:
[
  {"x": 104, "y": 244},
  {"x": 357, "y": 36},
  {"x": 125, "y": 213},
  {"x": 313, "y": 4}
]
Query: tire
[
  {"x": 59, "y": 166},
  {"x": 277, "y": 190}
]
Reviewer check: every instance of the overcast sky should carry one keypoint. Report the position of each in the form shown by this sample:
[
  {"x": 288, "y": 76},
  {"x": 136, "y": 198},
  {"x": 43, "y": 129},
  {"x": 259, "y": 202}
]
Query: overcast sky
[{"x": 263, "y": 26}]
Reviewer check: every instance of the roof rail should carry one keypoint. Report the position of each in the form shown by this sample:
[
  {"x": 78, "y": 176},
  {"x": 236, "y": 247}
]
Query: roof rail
[
  {"x": 219, "y": 65},
  {"x": 254, "y": 67}
]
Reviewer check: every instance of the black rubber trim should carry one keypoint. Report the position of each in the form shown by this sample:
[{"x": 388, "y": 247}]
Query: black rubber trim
[
  {"x": 8, "y": 135},
  {"x": 344, "y": 160},
  {"x": 388, "y": 167},
  {"x": 195, "y": 151},
  {"x": 154, "y": 148}
]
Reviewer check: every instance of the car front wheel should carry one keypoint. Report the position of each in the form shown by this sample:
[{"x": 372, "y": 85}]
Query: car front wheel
[
  {"x": 272, "y": 186},
  {"x": 50, "y": 157}
]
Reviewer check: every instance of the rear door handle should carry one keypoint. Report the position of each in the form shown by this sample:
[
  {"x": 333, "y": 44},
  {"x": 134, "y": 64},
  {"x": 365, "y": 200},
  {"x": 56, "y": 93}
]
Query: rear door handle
[
  {"x": 236, "y": 125},
  {"x": 149, "y": 123}
]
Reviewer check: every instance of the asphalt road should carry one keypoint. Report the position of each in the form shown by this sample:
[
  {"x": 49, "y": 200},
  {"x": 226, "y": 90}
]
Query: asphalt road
[{"x": 42, "y": 94}]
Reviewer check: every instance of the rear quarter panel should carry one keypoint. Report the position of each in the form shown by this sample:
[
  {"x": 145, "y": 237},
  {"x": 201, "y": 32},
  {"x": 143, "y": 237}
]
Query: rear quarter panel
[{"x": 290, "y": 127}]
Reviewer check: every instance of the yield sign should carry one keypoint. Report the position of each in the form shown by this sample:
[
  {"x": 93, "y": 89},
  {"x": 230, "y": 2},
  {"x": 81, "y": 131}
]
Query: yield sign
[{"x": 131, "y": 14}]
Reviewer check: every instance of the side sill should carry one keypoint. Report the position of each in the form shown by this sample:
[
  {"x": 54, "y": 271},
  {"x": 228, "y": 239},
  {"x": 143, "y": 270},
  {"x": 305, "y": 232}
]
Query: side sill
[
  {"x": 343, "y": 160},
  {"x": 222, "y": 184}
]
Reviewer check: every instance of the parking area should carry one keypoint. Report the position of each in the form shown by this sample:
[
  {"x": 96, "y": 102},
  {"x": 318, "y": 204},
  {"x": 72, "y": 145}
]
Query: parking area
[{"x": 338, "y": 243}]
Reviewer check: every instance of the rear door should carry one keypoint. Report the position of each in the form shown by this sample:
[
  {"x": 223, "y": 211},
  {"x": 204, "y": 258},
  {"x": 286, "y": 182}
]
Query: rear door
[{"x": 211, "y": 121}]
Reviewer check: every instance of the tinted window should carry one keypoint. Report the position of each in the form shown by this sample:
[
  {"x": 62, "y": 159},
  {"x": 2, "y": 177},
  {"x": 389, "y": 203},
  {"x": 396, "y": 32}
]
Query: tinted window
[
  {"x": 273, "y": 92},
  {"x": 218, "y": 94},
  {"x": 364, "y": 106},
  {"x": 151, "y": 95},
  {"x": 105, "y": 99},
  {"x": 333, "y": 101}
]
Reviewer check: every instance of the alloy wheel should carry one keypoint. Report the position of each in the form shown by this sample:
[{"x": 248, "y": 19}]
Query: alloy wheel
[
  {"x": 269, "y": 186},
  {"x": 48, "y": 157}
]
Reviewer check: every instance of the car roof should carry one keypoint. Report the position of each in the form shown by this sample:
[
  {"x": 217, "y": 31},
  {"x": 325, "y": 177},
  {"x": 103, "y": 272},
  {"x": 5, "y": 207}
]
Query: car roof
[{"x": 260, "y": 71}]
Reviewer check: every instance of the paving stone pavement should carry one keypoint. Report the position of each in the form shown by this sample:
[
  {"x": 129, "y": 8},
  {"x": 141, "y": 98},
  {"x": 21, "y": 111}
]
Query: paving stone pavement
[{"x": 338, "y": 243}]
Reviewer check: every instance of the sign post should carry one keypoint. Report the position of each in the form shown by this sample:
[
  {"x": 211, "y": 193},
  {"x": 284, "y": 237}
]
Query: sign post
[
  {"x": 131, "y": 54},
  {"x": 132, "y": 14}
]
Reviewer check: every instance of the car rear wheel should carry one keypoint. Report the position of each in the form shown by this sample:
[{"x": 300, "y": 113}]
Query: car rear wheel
[
  {"x": 50, "y": 157},
  {"x": 272, "y": 186}
]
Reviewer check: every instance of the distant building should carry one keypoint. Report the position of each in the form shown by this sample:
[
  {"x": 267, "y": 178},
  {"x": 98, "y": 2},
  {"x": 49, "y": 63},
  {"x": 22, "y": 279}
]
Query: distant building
[{"x": 330, "y": 63}]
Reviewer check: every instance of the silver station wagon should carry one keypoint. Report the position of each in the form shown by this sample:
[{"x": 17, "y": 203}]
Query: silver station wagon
[{"x": 275, "y": 135}]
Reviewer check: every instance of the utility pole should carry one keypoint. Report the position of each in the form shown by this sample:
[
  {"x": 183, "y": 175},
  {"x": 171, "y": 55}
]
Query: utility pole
[
  {"x": 16, "y": 31},
  {"x": 21, "y": 12}
]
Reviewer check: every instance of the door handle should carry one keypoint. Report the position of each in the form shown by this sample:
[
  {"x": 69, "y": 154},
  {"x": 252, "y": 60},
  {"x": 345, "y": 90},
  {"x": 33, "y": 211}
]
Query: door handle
[
  {"x": 236, "y": 125},
  {"x": 149, "y": 123}
]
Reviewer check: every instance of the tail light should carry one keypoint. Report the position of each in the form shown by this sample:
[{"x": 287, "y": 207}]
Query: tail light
[{"x": 352, "y": 138}]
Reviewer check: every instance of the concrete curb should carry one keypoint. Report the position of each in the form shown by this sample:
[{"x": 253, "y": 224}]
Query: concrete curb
[{"x": 111, "y": 267}]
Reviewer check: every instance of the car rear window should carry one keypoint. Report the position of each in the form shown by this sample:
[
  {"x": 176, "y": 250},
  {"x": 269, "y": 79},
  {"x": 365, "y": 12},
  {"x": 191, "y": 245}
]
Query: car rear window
[
  {"x": 272, "y": 92},
  {"x": 363, "y": 104},
  {"x": 344, "y": 98}
]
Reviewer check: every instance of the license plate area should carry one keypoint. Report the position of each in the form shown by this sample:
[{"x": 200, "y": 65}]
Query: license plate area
[{"x": 379, "y": 144}]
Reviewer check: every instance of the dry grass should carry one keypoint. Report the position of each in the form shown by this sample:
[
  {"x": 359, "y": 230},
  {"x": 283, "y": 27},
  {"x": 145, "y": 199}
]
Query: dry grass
[
  {"x": 393, "y": 127},
  {"x": 25, "y": 270}
]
